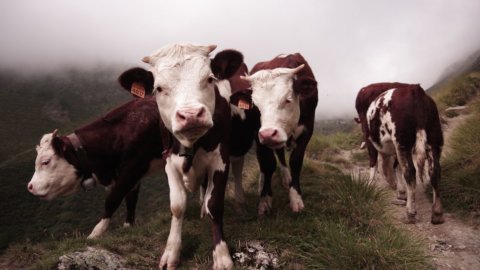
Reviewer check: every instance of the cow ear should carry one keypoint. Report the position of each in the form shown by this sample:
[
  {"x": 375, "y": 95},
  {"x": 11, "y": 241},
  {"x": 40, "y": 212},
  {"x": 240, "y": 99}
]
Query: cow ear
[
  {"x": 59, "y": 146},
  {"x": 242, "y": 99},
  {"x": 305, "y": 86},
  {"x": 226, "y": 63},
  {"x": 134, "y": 79}
]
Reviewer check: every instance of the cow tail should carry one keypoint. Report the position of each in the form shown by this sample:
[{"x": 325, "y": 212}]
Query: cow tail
[{"x": 421, "y": 155}]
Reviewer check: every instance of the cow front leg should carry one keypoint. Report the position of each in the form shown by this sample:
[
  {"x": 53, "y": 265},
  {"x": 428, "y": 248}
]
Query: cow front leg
[
  {"x": 237, "y": 170},
  {"x": 437, "y": 209},
  {"x": 178, "y": 203},
  {"x": 296, "y": 162},
  {"x": 409, "y": 174},
  {"x": 124, "y": 184},
  {"x": 131, "y": 202},
  {"x": 215, "y": 203},
  {"x": 267, "y": 163},
  {"x": 373, "y": 158},
  {"x": 284, "y": 170}
]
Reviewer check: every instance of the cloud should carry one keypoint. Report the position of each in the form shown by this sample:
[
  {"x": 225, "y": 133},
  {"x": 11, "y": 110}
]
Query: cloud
[{"x": 349, "y": 44}]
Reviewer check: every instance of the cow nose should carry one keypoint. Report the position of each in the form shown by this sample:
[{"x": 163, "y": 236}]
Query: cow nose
[
  {"x": 268, "y": 133},
  {"x": 187, "y": 116},
  {"x": 30, "y": 187}
]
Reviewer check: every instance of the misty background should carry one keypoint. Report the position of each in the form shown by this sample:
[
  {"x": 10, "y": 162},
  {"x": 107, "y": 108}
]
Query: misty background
[{"x": 348, "y": 44}]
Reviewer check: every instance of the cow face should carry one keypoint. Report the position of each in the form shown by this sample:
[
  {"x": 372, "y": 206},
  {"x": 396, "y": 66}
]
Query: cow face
[
  {"x": 53, "y": 176},
  {"x": 278, "y": 102},
  {"x": 184, "y": 84}
]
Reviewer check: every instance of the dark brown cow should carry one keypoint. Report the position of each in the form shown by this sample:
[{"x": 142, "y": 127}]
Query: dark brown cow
[
  {"x": 245, "y": 124},
  {"x": 285, "y": 92},
  {"x": 403, "y": 123},
  {"x": 116, "y": 150}
]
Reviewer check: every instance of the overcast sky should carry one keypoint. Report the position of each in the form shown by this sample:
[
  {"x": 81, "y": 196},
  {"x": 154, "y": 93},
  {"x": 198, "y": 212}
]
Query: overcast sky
[{"x": 348, "y": 44}]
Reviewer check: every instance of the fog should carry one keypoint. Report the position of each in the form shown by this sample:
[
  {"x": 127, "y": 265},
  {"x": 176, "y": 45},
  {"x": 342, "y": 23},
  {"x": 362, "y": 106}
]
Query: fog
[{"x": 348, "y": 44}]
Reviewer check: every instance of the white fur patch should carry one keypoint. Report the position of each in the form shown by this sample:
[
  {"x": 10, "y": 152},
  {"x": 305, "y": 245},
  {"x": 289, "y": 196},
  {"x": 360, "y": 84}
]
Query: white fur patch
[
  {"x": 221, "y": 257},
  {"x": 224, "y": 88},
  {"x": 296, "y": 202},
  {"x": 100, "y": 228},
  {"x": 234, "y": 110}
]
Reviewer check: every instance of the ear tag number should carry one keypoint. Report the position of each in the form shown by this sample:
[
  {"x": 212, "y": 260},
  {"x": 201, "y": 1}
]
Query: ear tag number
[
  {"x": 243, "y": 104},
  {"x": 138, "y": 90}
]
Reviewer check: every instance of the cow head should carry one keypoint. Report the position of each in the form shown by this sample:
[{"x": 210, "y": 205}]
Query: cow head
[
  {"x": 184, "y": 83},
  {"x": 277, "y": 93},
  {"x": 54, "y": 175}
]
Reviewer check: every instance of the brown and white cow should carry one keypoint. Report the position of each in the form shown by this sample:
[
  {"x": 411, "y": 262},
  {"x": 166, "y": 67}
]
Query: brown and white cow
[
  {"x": 365, "y": 97},
  {"x": 285, "y": 92},
  {"x": 403, "y": 122},
  {"x": 193, "y": 103},
  {"x": 116, "y": 150}
]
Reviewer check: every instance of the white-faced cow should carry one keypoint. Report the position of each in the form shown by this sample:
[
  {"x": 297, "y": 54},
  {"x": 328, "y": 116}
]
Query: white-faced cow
[
  {"x": 188, "y": 88},
  {"x": 403, "y": 122},
  {"x": 116, "y": 150},
  {"x": 285, "y": 92}
]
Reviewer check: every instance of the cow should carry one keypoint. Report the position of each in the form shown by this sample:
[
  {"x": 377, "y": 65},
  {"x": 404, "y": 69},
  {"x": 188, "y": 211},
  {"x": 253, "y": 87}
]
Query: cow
[
  {"x": 245, "y": 122},
  {"x": 403, "y": 122},
  {"x": 116, "y": 151},
  {"x": 285, "y": 91},
  {"x": 192, "y": 97},
  {"x": 365, "y": 97}
]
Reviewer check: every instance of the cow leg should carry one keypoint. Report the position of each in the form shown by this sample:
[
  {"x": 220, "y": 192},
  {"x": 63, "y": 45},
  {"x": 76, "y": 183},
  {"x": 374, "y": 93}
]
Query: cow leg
[
  {"x": 178, "y": 203},
  {"x": 401, "y": 185},
  {"x": 409, "y": 174},
  {"x": 215, "y": 196},
  {"x": 237, "y": 169},
  {"x": 387, "y": 172},
  {"x": 296, "y": 162},
  {"x": 131, "y": 201},
  {"x": 372, "y": 156},
  {"x": 202, "y": 190},
  {"x": 266, "y": 160},
  {"x": 437, "y": 210},
  {"x": 284, "y": 170},
  {"x": 125, "y": 182}
]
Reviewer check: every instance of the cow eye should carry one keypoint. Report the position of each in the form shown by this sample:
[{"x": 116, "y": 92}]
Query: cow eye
[
  {"x": 288, "y": 100},
  {"x": 45, "y": 162},
  {"x": 211, "y": 78},
  {"x": 158, "y": 89}
]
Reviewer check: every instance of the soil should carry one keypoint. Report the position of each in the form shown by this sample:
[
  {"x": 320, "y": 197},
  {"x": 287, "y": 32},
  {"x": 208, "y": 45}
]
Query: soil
[{"x": 454, "y": 244}]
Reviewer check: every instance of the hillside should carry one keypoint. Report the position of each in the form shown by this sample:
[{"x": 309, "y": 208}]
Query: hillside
[{"x": 32, "y": 106}]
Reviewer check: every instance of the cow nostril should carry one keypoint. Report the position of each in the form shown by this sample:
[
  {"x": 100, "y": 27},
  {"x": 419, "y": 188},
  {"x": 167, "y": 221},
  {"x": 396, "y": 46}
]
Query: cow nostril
[
  {"x": 180, "y": 116},
  {"x": 274, "y": 132},
  {"x": 201, "y": 112},
  {"x": 30, "y": 187}
]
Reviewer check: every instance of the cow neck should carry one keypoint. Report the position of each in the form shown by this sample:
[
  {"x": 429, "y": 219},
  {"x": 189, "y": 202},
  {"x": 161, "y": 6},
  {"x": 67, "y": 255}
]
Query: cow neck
[
  {"x": 167, "y": 142},
  {"x": 188, "y": 153},
  {"x": 89, "y": 179}
]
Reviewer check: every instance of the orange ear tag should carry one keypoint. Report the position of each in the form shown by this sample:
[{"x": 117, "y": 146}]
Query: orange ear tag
[
  {"x": 138, "y": 90},
  {"x": 243, "y": 104}
]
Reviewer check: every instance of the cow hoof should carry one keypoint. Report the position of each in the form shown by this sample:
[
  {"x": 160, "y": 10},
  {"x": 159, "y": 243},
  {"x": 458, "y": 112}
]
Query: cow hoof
[
  {"x": 264, "y": 205},
  {"x": 398, "y": 201},
  {"x": 221, "y": 257},
  {"x": 167, "y": 261},
  {"x": 410, "y": 219},
  {"x": 402, "y": 195},
  {"x": 296, "y": 202},
  {"x": 437, "y": 219}
]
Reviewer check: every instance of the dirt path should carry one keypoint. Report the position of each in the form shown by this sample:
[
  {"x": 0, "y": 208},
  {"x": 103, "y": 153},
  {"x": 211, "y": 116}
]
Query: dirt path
[{"x": 452, "y": 245}]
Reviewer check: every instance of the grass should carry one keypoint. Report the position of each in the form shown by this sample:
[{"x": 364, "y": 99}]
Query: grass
[
  {"x": 461, "y": 168},
  {"x": 344, "y": 226},
  {"x": 459, "y": 92},
  {"x": 323, "y": 146}
]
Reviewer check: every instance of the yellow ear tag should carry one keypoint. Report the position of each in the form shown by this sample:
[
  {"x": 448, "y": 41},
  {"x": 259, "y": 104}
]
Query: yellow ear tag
[
  {"x": 243, "y": 104},
  {"x": 138, "y": 90}
]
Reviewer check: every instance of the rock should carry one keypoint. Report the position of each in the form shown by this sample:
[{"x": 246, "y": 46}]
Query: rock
[
  {"x": 91, "y": 258},
  {"x": 253, "y": 255}
]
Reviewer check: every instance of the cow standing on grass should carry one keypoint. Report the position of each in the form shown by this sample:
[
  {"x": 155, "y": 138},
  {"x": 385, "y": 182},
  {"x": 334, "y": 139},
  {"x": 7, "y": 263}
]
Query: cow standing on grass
[
  {"x": 116, "y": 150},
  {"x": 193, "y": 103},
  {"x": 403, "y": 122},
  {"x": 285, "y": 92}
]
